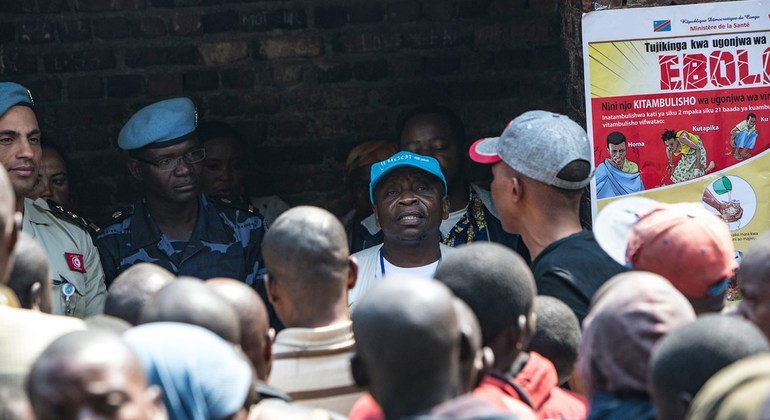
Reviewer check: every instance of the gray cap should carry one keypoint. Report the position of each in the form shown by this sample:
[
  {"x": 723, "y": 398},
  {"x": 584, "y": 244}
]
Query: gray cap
[{"x": 538, "y": 144}]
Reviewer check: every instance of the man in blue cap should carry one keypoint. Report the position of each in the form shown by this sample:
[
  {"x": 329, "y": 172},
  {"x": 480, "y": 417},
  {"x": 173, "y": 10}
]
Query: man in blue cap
[
  {"x": 175, "y": 225},
  {"x": 409, "y": 196},
  {"x": 78, "y": 279}
]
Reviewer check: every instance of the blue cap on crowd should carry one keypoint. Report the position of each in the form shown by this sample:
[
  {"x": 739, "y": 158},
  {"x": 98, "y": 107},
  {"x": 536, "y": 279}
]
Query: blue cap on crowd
[
  {"x": 12, "y": 94},
  {"x": 161, "y": 124},
  {"x": 404, "y": 159}
]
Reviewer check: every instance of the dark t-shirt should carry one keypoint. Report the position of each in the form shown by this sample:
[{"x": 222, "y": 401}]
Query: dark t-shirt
[{"x": 572, "y": 269}]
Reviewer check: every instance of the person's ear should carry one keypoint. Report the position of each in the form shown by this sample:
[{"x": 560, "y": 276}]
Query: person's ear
[
  {"x": 445, "y": 207},
  {"x": 352, "y": 272},
  {"x": 35, "y": 297},
  {"x": 516, "y": 188},
  {"x": 270, "y": 288},
  {"x": 134, "y": 168},
  {"x": 267, "y": 351},
  {"x": 358, "y": 371},
  {"x": 376, "y": 216}
]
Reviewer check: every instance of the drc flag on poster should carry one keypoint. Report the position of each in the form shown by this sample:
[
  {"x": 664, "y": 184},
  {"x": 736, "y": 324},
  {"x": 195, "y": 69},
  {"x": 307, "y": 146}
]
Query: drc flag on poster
[{"x": 678, "y": 108}]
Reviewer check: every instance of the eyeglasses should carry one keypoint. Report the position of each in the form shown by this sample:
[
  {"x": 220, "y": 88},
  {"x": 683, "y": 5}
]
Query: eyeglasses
[{"x": 171, "y": 163}]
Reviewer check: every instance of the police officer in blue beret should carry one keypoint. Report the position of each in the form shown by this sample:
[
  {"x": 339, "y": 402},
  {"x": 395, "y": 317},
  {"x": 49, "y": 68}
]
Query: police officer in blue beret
[
  {"x": 175, "y": 225},
  {"x": 77, "y": 277}
]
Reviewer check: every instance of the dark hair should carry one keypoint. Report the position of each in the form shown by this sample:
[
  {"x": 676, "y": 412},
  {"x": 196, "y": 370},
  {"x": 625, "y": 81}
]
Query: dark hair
[
  {"x": 557, "y": 335},
  {"x": 48, "y": 144},
  {"x": 687, "y": 357},
  {"x": 668, "y": 134},
  {"x": 494, "y": 281},
  {"x": 615, "y": 138},
  {"x": 750, "y": 116},
  {"x": 208, "y": 130},
  {"x": 454, "y": 120}
]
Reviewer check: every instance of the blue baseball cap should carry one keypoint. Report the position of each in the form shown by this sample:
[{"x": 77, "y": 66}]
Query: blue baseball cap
[
  {"x": 404, "y": 159},
  {"x": 161, "y": 124},
  {"x": 12, "y": 94}
]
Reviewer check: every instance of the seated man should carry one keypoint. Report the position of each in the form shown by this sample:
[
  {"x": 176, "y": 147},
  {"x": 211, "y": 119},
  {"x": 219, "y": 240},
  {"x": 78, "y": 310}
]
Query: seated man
[
  {"x": 309, "y": 274},
  {"x": 743, "y": 137},
  {"x": 91, "y": 374},
  {"x": 409, "y": 195},
  {"x": 617, "y": 175}
]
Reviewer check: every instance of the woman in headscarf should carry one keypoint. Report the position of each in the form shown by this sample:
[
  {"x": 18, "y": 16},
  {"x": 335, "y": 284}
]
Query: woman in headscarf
[
  {"x": 692, "y": 163},
  {"x": 202, "y": 376},
  {"x": 628, "y": 316}
]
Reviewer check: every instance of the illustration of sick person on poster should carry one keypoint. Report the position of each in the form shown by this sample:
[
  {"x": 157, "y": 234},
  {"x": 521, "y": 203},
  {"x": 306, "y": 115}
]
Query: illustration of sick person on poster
[{"x": 678, "y": 108}]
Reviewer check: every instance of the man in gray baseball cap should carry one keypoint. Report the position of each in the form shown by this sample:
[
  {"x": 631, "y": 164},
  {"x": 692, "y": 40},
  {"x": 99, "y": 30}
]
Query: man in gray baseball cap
[{"x": 541, "y": 164}]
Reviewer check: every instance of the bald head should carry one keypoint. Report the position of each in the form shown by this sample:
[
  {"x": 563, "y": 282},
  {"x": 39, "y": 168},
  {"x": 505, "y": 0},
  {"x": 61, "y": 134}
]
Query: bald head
[
  {"x": 133, "y": 288},
  {"x": 30, "y": 275},
  {"x": 754, "y": 282},
  {"x": 307, "y": 259},
  {"x": 252, "y": 318},
  {"x": 8, "y": 230},
  {"x": 90, "y": 372},
  {"x": 407, "y": 341},
  {"x": 188, "y": 301}
]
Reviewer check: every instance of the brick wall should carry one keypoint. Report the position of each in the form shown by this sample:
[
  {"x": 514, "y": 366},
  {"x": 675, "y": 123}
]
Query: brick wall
[{"x": 304, "y": 80}]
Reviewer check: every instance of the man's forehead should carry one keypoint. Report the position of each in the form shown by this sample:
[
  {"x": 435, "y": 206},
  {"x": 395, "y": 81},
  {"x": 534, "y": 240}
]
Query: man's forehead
[
  {"x": 408, "y": 173},
  {"x": 19, "y": 114},
  {"x": 178, "y": 148}
]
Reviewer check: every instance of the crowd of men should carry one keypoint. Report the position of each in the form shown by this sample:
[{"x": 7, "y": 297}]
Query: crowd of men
[{"x": 434, "y": 297}]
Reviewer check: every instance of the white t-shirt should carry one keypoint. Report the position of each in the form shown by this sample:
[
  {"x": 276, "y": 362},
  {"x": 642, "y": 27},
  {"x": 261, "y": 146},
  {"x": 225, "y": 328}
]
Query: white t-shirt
[{"x": 370, "y": 271}]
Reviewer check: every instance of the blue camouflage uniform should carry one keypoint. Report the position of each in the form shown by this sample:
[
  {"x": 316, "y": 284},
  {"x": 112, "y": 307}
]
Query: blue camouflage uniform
[{"x": 225, "y": 243}]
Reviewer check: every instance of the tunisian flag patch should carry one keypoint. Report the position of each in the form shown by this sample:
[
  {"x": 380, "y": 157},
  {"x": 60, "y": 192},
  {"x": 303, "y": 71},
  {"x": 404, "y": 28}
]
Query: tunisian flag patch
[{"x": 75, "y": 262}]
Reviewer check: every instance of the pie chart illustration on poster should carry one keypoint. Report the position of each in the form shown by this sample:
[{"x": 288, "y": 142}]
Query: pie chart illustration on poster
[{"x": 732, "y": 199}]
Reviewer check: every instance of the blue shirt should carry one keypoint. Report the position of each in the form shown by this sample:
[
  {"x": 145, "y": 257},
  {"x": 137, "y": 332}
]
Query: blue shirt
[{"x": 225, "y": 242}]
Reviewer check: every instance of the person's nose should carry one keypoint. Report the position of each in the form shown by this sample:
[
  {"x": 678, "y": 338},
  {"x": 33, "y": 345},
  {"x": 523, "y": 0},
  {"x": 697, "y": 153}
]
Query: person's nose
[
  {"x": 24, "y": 150},
  {"x": 407, "y": 198},
  {"x": 183, "y": 167}
]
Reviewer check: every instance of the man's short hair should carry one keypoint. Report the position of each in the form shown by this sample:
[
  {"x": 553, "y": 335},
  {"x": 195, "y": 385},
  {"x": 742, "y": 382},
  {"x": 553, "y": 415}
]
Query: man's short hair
[
  {"x": 751, "y": 115},
  {"x": 133, "y": 288},
  {"x": 494, "y": 281},
  {"x": 30, "y": 266},
  {"x": 687, "y": 357},
  {"x": 615, "y": 138},
  {"x": 557, "y": 336},
  {"x": 668, "y": 135}
]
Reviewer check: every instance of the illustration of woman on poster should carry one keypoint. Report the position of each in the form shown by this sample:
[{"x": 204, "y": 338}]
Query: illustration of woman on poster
[{"x": 692, "y": 162}]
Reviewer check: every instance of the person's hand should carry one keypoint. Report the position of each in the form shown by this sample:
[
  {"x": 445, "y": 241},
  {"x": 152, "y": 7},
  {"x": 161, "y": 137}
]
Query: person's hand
[{"x": 731, "y": 212}]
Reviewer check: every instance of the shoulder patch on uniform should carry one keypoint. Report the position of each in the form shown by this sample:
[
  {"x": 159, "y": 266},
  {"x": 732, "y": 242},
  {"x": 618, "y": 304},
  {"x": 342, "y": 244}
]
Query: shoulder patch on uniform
[
  {"x": 117, "y": 216},
  {"x": 233, "y": 204},
  {"x": 68, "y": 215}
]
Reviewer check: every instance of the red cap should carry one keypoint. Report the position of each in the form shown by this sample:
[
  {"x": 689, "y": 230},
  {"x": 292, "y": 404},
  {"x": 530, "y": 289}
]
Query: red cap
[{"x": 686, "y": 244}]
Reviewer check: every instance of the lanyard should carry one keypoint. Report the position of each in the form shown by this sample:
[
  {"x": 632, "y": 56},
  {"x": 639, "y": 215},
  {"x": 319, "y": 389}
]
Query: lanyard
[{"x": 382, "y": 263}]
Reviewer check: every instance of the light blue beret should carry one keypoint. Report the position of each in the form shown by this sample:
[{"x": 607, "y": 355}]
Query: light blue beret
[
  {"x": 161, "y": 124},
  {"x": 12, "y": 94}
]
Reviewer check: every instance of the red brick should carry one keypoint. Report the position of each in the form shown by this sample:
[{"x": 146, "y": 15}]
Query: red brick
[
  {"x": 17, "y": 63},
  {"x": 226, "y": 52},
  {"x": 37, "y": 32},
  {"x": 220, "y": 22},
  {"x": 237, "y": 78},
  {"x": 74, "y": 30},
  {"x": 337, "y": 98},
  {"x": 441, "y": 10},
  {"x": 285, "y": 75},
  {"x": 201, "y": 80},
  {"x": 44, "y": 90},
  {"x": 371, "y": 70},
  {"x": 79, "y": 61},
  {"x": 90, "y": 114},
  {"x": 164, "y": 84},
  {"x": 289, "y": 126},
  {"x": 108, "y": 5},
  {"x": 125, "y": 85},
  {"x": 363, "y": 42},
  {"x": 539, "y": 30},
  {"x": 152, "y": 27},
  {"x": 413, "y": 94},
  {"x": 249, "y": 104},
  {"x": 403, "y": 11},
  {"x": 85, "y": 87},
  {"x": 275, "y": 19},
  {"x": 188, "y": 24},
  {"x": 332, "y": 16},
  {"x": 112, "y": 28},
  {"x": 157, "y": 56},
  {"x": 436, "y": 37},
  {"x": 406, "y": 66},
  {"x": 329, "y": 125},
  {"x": 333, "y": 72},
  {"x": 370, "y": 122},
  {"x": 291, "y": 46}
]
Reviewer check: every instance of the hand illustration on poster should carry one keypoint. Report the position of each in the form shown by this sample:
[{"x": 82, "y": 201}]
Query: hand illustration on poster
[{"x": 732, "y": 199}]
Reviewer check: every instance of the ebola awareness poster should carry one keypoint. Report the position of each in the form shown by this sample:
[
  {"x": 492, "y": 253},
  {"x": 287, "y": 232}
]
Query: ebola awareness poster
[{"x": 678, "y": 108}]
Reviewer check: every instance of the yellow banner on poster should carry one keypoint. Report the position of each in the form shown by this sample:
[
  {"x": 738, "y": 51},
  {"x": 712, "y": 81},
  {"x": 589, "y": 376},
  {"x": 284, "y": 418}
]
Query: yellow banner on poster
[{"x": 737, "y": 194}]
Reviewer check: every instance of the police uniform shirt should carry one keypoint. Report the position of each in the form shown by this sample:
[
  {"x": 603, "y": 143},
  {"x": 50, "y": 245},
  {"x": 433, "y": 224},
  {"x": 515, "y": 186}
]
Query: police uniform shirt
[
  {"x": 225, "y": 242},
  {"x": 76, "y": 272}
]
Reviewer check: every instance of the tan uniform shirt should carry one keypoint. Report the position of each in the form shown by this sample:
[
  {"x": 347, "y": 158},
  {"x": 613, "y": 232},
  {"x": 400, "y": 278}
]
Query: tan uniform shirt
[
  {"x": 312, "y": 365},
  {"x": 23, "y": 336},
  {"x": 73, "y": 259}
]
